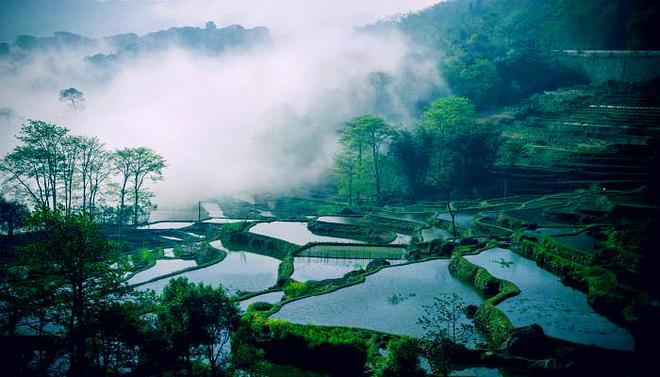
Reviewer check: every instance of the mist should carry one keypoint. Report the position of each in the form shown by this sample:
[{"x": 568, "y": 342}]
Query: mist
[{"x": 261, "y": 119}]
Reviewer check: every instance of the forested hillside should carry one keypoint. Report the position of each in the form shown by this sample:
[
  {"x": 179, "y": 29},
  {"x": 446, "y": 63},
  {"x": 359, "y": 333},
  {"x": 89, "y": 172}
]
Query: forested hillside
[{"x": 497, "y": 52}]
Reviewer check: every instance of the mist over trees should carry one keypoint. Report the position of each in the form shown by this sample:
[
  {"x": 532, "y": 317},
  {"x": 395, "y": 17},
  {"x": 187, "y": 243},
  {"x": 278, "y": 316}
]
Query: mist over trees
[{"x": 53, "y": 169}]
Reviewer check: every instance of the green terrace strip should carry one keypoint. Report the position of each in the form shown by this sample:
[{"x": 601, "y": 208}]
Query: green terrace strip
[
  {"x": 206, "y": 261},
  {"x": 360, "y": 232},
  {"x": 259, "y": 244},
  {"x": 604, "y": 292},
  {"x": 490, "y": 320},
  {"x": 352, "y": 251}
]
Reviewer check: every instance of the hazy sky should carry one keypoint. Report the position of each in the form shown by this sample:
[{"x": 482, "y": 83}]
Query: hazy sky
[{"x": 106, "y": 17}]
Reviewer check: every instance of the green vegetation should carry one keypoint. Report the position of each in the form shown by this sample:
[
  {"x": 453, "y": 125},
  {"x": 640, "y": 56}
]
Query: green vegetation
[
  {"x": 135, "y": 165},
  {"x": 259, "y": 244},
  {"x": 145, "y": 258},
  {"x": 359, "y": 232},
  {"x": 285, "y": 269},
  {"x": 72, "y": 96},
  {"x": 401, "y": 360},
  {"x": 310, "y": 347},
  {"x": 196, "y": 320},
  {"x": 360, "y": 163},
  {"x": 71, "y": 282},
  {"x": 447, "y": 151},
  {"x": 53, "y": 168},
  {"x": 447, "y": 329},
  {"x": 71, "y": 279},
  {"x": 488, "y": 319}
]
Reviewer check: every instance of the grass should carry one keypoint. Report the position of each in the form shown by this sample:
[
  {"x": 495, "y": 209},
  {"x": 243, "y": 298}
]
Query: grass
[
  {"x": 352, "y": 251},
  {"x": 144, "y": 258}
]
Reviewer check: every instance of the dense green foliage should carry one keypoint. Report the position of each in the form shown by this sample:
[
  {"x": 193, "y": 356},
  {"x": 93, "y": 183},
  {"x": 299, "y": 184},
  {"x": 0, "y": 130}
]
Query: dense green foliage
[
  {"x": 67, "y": 283},
  {"x": 65, "y": 297},
  {"x": 446, "y": 152},
  {"x": 197, "y": 321},
  {"x": 402, "y": 360},
  {"x": 493, "y": 49}
]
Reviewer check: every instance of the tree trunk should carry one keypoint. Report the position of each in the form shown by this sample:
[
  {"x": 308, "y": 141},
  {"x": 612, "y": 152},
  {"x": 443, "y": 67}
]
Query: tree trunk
[
  {"x": 135, "y": 207},
  {"x": 350, "y": 189},
  {"x": 453, "y": 218}
]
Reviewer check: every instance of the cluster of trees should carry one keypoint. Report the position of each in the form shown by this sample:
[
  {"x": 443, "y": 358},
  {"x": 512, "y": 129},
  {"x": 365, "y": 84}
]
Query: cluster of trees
[
  {"x": 447, "y": 152},
  {"x": 52, "y": 169},
  {"x": 66, "y": 309}
]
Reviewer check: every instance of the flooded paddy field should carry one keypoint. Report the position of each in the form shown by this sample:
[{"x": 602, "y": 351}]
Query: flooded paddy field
[
  {"x": 390, "y": 301},
  {"x": 563, "y": 312},
  {"x": 238, "y": 272},
  {"x": 162, "y": 267},
  {"x": 295, "y": 232}
]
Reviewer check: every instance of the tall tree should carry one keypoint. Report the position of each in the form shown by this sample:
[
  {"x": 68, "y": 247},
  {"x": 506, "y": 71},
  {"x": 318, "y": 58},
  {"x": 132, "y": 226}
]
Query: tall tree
[
  {"x": 146, "y": 164},
  {"x": 368, "y": 134},
  {"x": 198, "y": 320},
  {"x": 346, "y": 168},
  {"x": 462, "y": 149},
  {"x": 35, "y": 165},
  {"x": 94, "y": 169},
  {"x": 72, "y": 96},
  {"x": 122, "y": 161},
  {"x": 76, "y": 274}
]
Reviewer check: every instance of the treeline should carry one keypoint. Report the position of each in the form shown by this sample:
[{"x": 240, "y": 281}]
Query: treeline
[
  {"x": 54, "y": 169},
  {"x": 65, "y": 309},
  {"x": 447, "y": 153},
  {"x": 497, "y": 53}
]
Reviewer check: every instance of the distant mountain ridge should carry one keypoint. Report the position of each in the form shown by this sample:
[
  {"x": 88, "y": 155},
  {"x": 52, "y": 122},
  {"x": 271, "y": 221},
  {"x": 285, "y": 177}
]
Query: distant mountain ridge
[{"x": 210, "y": 39}]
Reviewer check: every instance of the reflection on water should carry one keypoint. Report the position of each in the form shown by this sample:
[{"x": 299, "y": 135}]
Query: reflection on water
[
  {"x": 162, "y": 267},
  {"x": 239, "y": 271},
  {"x": 167, "y": 225},
  {"x": 295, "y": 232},
  {"x": 369, "y": 305},
  {"x": 563, "y": 312},
  {"x": 353, "y": 220},
  {"x": 313, "y": 268},
  {"x": 434, "y": 233},
  {"x": 462, "y": 219}
]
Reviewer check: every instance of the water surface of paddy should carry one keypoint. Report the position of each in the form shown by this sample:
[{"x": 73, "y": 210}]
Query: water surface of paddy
[
  {"x": 239, "y": 271},
  {"x": 391, "y": 300},
  {"x": 167, "y": 225},
  {"x": 463, "y": 219},
  {"x": 271, "y": 298},
  {"x": 162, "y": 267},
  {"x": 563, "y": 312},
  {"x": 295, "y": 232}
]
